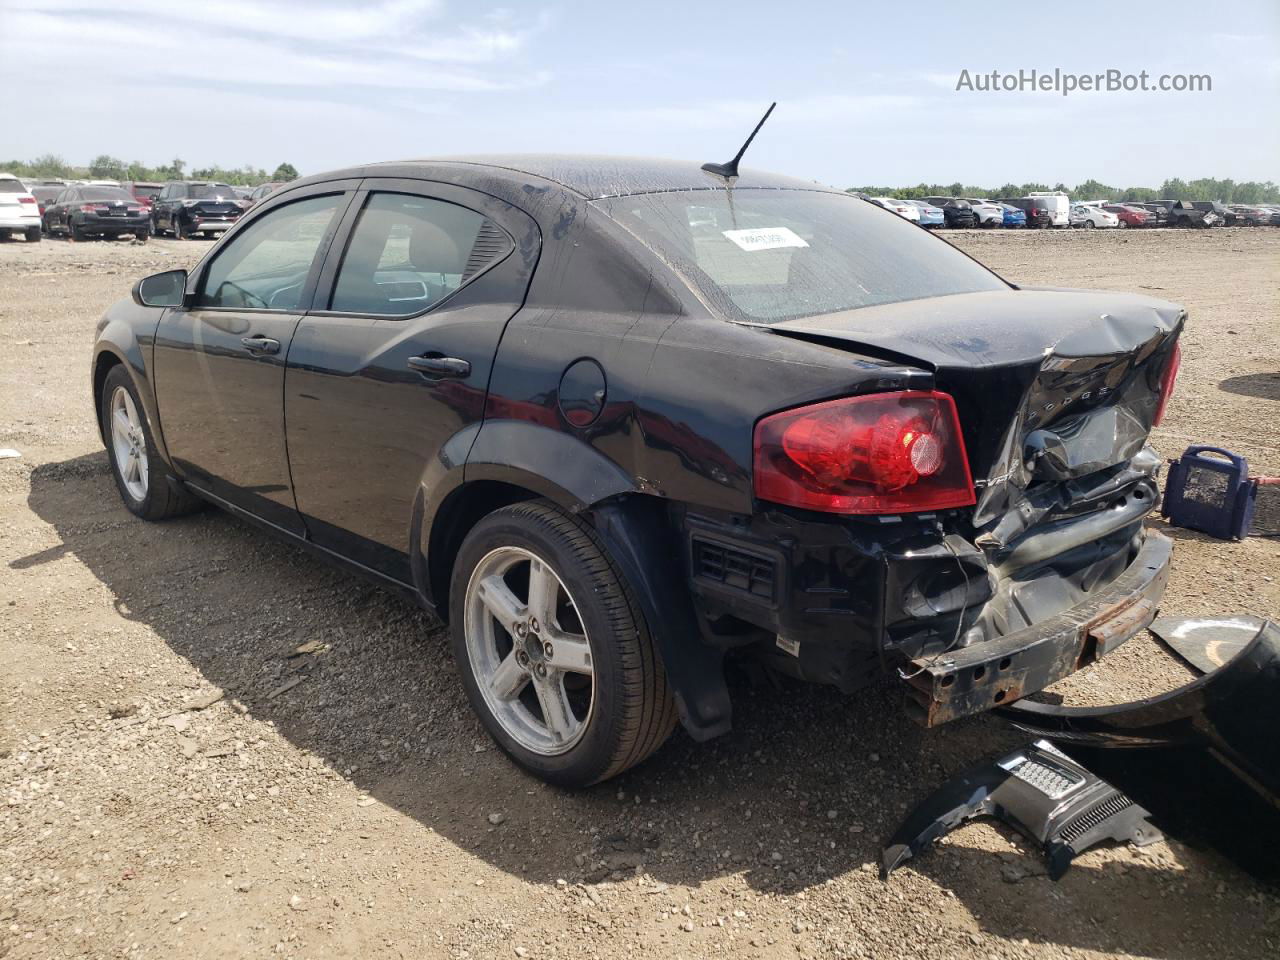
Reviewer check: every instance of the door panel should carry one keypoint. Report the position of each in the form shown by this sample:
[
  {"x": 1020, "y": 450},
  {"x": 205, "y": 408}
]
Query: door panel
[
  {"x": 219, "y": 363},
  {"x": 363, "y": 424}
]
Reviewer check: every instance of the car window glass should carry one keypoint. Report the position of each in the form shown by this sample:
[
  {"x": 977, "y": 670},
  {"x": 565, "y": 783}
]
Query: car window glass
[
  {"x": 103, "y": 194},
  {"x": 408, "y": 253},
  {"x": 211, "y": 191},
  {"x": 11, "y": 186},
  {"x": 775, "y": 255},
  {"x": 265, "y": 266}
]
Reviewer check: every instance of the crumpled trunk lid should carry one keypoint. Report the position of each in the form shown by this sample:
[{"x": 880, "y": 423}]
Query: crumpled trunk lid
[{"x": 1051, "y": 385}]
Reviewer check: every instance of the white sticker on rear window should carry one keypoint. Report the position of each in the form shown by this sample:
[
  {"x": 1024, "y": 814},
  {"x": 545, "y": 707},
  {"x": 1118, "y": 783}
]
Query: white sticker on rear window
[{"x": 765, "y": 238}]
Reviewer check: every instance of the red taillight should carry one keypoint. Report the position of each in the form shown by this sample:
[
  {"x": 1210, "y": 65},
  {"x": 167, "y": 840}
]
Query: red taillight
[
  {"x": 26, "y": 199},
  {"x": 93, "y": 208},
  {"x": 1168, "y": 380},
  {"x": 883, "y": 453}
]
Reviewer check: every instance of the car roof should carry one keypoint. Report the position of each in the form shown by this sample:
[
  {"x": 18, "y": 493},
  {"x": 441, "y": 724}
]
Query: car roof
[
  {"x": 7, "y": 176},
  {"x": 598, "y": 176}
]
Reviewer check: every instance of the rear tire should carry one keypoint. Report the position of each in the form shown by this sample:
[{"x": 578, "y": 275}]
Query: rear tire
[
  {"x": 179, "y": 233},
  {"x": 33, "y": 235},
  {"x": 142, "y": 236},
  {"x": 146, "y": 484},
  {"x": 618, "y": 709}
]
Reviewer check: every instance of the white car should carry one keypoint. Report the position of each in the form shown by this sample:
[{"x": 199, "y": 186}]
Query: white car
[
  {"x": 900, "y": 207},
  {"x": 19, "y": 212},
  {"x": 1087, "y": 216},
  {"x": 988, "y": 212}
]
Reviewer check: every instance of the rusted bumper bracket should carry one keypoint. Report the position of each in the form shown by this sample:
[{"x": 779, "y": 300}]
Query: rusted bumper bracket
[{"x": 997, "y": 672}]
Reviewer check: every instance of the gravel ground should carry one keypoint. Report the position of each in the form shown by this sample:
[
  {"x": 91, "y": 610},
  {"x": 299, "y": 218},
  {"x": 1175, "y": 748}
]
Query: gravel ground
[{"x": 178, "y": 779}]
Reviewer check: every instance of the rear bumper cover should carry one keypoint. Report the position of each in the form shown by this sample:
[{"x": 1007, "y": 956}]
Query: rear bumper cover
[{"x": 998, "y": 672}]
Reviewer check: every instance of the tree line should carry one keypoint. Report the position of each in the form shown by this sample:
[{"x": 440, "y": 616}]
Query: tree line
[
  {"x": 1207, "y": 188},
  {"x": 106, "y": 167}
]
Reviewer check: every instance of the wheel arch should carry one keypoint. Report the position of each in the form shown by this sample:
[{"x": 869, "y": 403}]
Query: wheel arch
[
  {"x": 103, "y": 363},
  {"x": 117, "y": 344},
  {"x": 635, "y": 529}
]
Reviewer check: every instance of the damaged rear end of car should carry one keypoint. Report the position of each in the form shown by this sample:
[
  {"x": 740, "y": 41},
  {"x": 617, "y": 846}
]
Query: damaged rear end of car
[{"x": 1051, "y": 567}]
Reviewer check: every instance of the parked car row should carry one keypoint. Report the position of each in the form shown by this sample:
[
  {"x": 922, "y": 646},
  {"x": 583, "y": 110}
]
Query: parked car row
[
  {"x": 81, "y": 209},
  {"x": 1055, "y": 209},
  {"x": 180, "y": 208}
]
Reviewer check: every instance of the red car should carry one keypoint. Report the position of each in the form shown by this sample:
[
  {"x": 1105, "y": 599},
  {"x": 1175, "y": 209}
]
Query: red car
[{"x": 1129, "y": 216}]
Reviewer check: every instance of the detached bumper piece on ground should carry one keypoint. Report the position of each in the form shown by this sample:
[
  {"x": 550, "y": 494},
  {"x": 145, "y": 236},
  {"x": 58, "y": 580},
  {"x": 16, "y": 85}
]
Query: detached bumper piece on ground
[
  {"x": 1219, "y": 751},
  {"x": 1233, "y": 712},
  {"x": 1040, "y": 792}
]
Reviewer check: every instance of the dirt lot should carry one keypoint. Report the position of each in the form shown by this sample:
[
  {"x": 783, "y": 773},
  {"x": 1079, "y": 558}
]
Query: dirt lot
[{"x": 362, "y": 812}]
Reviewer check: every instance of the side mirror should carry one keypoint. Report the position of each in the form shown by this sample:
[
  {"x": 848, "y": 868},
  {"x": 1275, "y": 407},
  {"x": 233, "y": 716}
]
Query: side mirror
[{"x": 161, "y": 289}]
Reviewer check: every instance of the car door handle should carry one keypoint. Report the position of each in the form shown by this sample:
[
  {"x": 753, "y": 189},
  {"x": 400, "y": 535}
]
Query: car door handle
[
  {"x": 440, "y": 366},
  {"x": 260, "y": 344}
]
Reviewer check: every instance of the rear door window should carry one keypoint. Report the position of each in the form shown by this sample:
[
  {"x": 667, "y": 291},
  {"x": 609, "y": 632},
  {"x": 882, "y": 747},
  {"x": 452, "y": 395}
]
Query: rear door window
[{"x": 407, "y": 253}]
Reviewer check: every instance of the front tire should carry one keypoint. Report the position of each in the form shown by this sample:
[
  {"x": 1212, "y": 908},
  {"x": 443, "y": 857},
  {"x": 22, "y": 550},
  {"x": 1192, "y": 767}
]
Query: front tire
[
  {"x": 144, "y": 480},
  {"x": 553, "y": 650},
  {"x": 179, "y": 233}
]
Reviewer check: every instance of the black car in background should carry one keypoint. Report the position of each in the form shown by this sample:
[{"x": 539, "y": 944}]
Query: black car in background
[
  {"x": 513, "y": 388},
  {"x": 1037, "y": 213},
  {"x": 1221, "y": 209},
  {"x": 1184, "y": 213},
  {"x": 186, "y": 207},
  {"x": 80, "y": 212},
  {"x": 956, "y": 212}
]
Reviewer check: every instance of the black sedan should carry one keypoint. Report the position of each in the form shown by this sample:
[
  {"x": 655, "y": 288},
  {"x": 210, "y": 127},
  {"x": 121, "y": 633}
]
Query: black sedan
[
  {"x": 81, "y": 212},
  {"x": 616, "y": 420},
  {"x": 956, "y": 212},
  {"x": 185, "y": 208}
]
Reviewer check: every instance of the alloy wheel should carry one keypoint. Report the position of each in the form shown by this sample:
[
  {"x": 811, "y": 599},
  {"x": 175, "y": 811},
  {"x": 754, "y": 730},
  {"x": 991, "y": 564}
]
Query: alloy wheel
[
  {"x": 129, "y": 443},
  {"x": 529, "y": 651}
]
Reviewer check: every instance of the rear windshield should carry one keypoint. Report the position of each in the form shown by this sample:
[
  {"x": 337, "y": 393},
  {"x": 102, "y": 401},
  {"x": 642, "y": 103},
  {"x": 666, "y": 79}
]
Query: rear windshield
[
  {"x": 766, "y": 256},
  {"x": 209, "y": 191},
  {"x": 105, "y": 193},
  {"x": 12, "y": 186}
]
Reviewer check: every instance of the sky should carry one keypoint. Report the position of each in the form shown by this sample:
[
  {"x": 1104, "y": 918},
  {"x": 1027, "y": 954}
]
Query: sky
[{"x": 866, "y": 92}]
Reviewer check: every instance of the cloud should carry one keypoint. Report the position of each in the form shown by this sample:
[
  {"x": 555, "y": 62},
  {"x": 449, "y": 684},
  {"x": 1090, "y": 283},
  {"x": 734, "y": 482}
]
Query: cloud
[
  {"x": 396, "y": 44},
  {"x": 305, "y": 20}
]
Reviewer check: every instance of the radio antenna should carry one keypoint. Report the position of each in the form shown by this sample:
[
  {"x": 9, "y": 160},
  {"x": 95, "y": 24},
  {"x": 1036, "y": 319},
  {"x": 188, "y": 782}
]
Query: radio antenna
[{"x": 730, "y": 170}]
